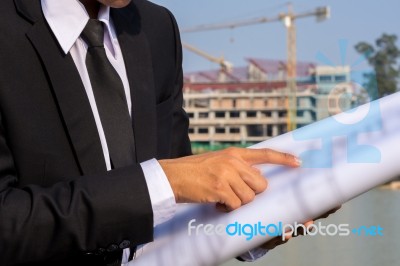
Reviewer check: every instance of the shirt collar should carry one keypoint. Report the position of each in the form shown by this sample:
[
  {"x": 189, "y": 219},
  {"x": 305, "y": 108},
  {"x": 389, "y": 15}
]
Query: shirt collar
[{"x": 67, "y": 19}]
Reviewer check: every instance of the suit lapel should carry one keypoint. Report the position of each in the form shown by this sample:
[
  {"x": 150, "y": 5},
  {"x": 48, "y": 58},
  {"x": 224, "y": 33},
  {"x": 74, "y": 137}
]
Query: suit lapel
[
  {"x": 68, "y": 90},
  {"x": 138, "y": 62}
]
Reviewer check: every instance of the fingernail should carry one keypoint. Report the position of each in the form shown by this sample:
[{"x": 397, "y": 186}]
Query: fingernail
[{"x": 298, "y": 161}]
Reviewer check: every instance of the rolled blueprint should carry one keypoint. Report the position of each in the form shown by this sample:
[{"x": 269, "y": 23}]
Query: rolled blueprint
[{"x": 343, "y": 156}]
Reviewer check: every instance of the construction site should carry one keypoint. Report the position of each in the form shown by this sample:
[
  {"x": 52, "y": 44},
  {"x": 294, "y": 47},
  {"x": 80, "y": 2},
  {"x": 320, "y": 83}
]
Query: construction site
[{"x": 240, "y": 106}]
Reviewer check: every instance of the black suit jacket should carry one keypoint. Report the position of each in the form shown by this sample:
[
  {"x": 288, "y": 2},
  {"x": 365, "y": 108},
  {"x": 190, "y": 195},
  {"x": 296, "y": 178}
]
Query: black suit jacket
[{"x": 57, "y": 201}]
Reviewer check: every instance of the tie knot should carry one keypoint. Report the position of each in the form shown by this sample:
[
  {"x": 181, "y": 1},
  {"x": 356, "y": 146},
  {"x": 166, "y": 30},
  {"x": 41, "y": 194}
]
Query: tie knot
[{"x": 93, "y": 33}]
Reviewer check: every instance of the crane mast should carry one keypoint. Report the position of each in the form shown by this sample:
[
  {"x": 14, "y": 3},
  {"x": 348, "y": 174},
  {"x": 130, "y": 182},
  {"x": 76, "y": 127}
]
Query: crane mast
[{"x": 291, "y": 71}]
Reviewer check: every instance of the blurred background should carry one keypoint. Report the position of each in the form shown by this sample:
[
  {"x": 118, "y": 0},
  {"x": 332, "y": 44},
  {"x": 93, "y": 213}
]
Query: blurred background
[{"x": 255, "y": 69}]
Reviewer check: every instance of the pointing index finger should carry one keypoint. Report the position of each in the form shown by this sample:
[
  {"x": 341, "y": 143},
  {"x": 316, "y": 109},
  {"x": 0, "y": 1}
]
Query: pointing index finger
[{"x": 269, "y": 156}]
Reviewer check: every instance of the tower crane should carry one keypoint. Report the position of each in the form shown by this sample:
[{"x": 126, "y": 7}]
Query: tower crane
[
  {"x": 225, "y": 65},
  {"x": 288, "y": 19}
]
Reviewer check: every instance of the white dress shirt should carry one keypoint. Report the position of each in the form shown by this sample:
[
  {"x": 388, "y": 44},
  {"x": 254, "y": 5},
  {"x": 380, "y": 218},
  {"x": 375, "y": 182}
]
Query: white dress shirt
[{"x": 67, "y": 19}]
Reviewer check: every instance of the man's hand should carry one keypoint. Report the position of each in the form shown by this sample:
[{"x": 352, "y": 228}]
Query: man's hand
[{"x": 225, "y": 177}]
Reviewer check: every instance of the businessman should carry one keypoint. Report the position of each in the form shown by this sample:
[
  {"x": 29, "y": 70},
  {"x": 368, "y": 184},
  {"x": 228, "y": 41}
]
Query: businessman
[{"x": 93, "y": 136}]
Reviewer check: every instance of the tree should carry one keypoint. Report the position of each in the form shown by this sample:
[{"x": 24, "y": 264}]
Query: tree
[{"x": 383, "y": 58}]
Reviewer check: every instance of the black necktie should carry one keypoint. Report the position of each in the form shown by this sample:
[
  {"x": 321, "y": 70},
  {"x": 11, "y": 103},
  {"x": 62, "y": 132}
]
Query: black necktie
[{"x": 110, "y": 97}]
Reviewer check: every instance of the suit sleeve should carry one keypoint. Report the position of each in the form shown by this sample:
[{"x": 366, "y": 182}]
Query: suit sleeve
[
  {"x": 83, "y": 215},
  {"x": 181, "y": 142}
]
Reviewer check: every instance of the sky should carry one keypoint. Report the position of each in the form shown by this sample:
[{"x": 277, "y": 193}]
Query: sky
[{"x": 328, "y": 42}]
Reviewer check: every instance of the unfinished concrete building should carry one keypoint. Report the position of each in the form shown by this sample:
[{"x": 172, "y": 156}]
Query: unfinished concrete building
[{"x": 250, "y": 104}]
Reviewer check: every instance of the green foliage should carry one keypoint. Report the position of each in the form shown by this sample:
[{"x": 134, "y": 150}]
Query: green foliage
[
  {"x": 383, "y": 58},
  {"x": 198, "y": 148}
]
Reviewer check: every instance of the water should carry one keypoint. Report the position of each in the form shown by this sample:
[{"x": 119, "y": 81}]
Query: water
[{"x": 377, "y": 207}]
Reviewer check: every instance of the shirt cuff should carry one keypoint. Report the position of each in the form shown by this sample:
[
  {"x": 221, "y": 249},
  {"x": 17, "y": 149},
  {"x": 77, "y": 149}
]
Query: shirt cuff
[
  {"x": 253, "y": 254},
  {"x": 161, "y": 195}
]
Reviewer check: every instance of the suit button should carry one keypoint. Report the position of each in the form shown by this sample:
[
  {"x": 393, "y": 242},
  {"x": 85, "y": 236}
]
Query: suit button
[
  {"x": 124, "y": 244},
  {"x": 112, "y": 248},
  {"x": 99, "y": 251}
]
